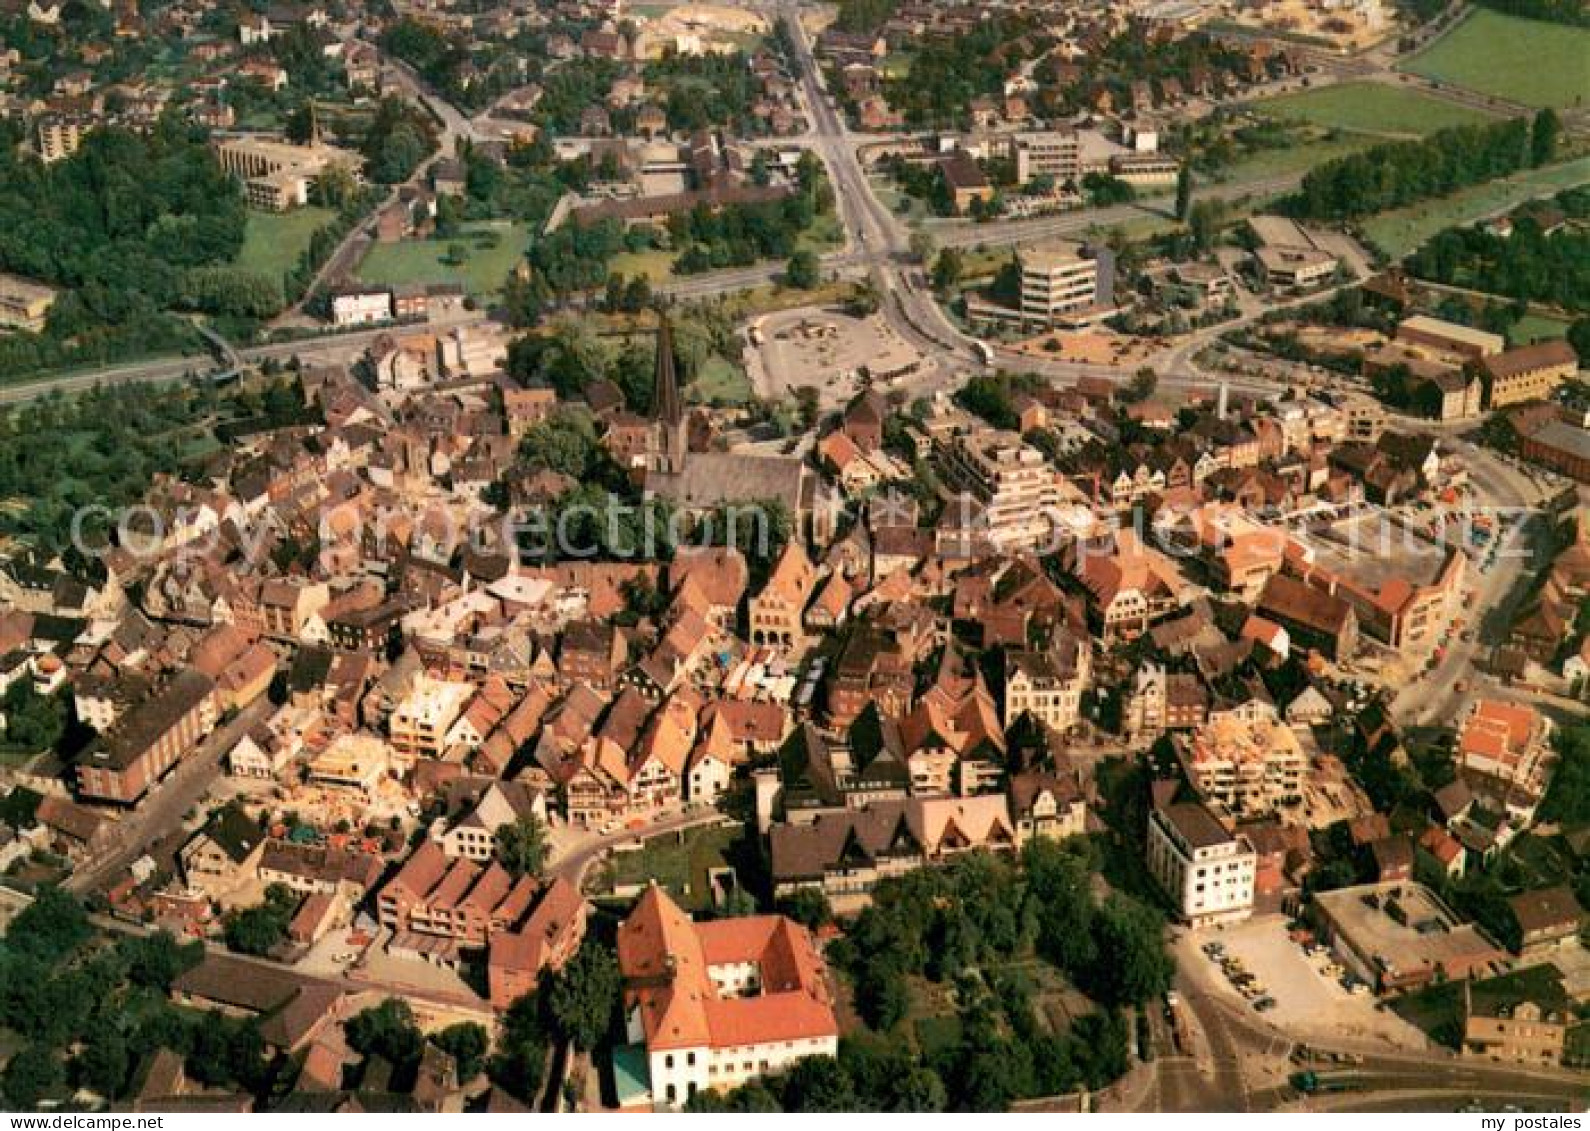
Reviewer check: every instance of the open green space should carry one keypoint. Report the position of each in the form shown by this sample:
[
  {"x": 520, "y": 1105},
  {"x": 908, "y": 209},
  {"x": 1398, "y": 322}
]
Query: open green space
[
  {"x": 656, "y": 265},
  {"x": 678, "y": 861},
  {"x": 1400, "y": 231},
  {"x": 1538, "y": 328},
  {"x": 720, "y": 381},
  {"x": 273, "y": 241},
  {"x": 1262, "y": 164},
  {"x": 1371, "y": 108},
  {"x": 1529, "y": 61},
  {"x": 482, "y": 270},
  {"x": 824, "y": 234}
]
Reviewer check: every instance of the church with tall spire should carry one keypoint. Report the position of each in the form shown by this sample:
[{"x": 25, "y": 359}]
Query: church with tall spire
[{"x": 702, "y": 480}]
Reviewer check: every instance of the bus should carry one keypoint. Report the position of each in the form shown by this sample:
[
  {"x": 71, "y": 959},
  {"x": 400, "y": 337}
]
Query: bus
[{"x": 984, "y": 351}]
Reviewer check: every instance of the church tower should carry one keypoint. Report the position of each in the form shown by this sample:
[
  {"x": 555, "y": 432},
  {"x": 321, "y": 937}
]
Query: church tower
[{"x": 668, "y": 447}]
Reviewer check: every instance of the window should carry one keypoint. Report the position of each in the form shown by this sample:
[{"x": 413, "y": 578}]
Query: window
[{"x": 668, "y": 1062}]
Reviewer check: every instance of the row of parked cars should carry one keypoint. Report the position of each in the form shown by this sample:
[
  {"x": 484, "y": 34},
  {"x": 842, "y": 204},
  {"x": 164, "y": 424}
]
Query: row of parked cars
[
  {"x": 1241, "y": 978},
  {"x": 1326, "y": 966}
]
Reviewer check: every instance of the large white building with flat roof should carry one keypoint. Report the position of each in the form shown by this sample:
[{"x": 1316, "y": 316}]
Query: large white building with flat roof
[{"x": 1056, "y": 280}]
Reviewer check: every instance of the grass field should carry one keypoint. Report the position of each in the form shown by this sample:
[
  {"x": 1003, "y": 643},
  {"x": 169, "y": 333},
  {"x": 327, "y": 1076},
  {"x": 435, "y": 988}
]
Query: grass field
[
  {"x": 420, "y": 261},
  {"x": 1265, "y": 163},
  {"x": 720, "y": 381},
  {"x": 1538, "y": 328},
  {"x": 1399, "y": 232},
  {"x": 273, "y": 241},
  {"x": 1370, "y": 108},
  {"x": 1536, "y": 63},
  {"x": 656, "y": 265},
  {"x": 678, "y": 862}
]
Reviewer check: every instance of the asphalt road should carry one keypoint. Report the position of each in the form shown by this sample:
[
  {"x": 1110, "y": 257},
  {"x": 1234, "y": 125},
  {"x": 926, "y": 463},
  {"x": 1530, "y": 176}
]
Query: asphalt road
[{"x": 323, "y": 347}]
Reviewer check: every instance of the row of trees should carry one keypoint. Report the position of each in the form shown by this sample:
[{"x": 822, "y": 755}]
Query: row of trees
[
  {"x": 1401, "y": 173},
  {"x": 1555, "y": 11}
]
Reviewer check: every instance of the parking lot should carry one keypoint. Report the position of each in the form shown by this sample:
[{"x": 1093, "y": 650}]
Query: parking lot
[
  {"x": 1308, "y": 996},
  {"x": 827, "y": 349}
]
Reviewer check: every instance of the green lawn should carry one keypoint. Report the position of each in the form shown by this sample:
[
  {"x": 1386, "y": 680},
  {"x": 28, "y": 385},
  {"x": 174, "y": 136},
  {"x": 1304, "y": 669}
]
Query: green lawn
[
  {"x": 273, "y": 241},
  {"x": 1371, "y": 108},
  {"x": 824, "y": 234},
  {"x": 1538, "y": 328},
  {"x": 679, "y": 862},
  {"x": 1529, "y": 61},
  {"x": 1262, "y": 164},
  {"x": 420, "y": 261},
  {"x": 656, "y": 265},
  {"x": 720, "y": 381},
  {"x": 1400, "y": 231}
]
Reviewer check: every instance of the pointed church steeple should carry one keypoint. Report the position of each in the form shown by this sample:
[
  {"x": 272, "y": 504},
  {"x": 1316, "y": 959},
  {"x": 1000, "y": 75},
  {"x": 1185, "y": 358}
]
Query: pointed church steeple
[{"x": 667, "y": 408}]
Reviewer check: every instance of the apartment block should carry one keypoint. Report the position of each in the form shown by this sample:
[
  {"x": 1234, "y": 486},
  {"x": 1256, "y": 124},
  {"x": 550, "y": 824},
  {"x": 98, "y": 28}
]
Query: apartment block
[
  {"x": 1017, "y": 490},
  {"x": 148, "y": 740},
  {"x": 1207, "y": 872}
]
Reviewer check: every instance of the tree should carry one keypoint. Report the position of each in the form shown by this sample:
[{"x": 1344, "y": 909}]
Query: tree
[
  {"x": 50, "y": 928},
  {"x": 520, "y": 1060},
  {"x": 1133, "y": 965},
  {"x": 261, "y": 929},
  {"x": 1183, "y": 192},
  {"x": 818, "y": 1083},
  {"x": 583, "y": 996},
  {"x": 1142, "y": 385},
  {"x": 808, "y": 907},
  {"x": 947, "y": 269},
  {"x": 923, "y": 245},
  {"x": 155, "y": 961},
  {"x": 466, "y": 1042},
  {"x": 33, "y": 722},
  {"x": 103, "y": 1062},
  {"x": 1544, "y": 133},
  {"x": 803, "y": 271},
  {"x": 565, "y": 442},
  {"x": 300, "y": 124},
  {"x": 31, "y": 1075},
  {"x": 522, "y": 845},
  {"x": 387, "y": 1030}
]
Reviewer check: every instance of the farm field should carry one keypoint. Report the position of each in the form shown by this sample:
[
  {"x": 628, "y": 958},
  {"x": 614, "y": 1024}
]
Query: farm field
[
  {"x": 1530, "y": 61},
  {"x": 1400, "y": 231},
  {"x": 273, "y": 241},
  {"x": 420, "y": 261},
  {"x": 1371, "y": 108}
]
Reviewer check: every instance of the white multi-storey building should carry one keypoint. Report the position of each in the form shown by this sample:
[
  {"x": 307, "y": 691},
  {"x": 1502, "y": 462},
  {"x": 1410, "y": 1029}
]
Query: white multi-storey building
[
  {"x": 1207, "y": 872},
  {"x": 1056, "y": 280}
]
